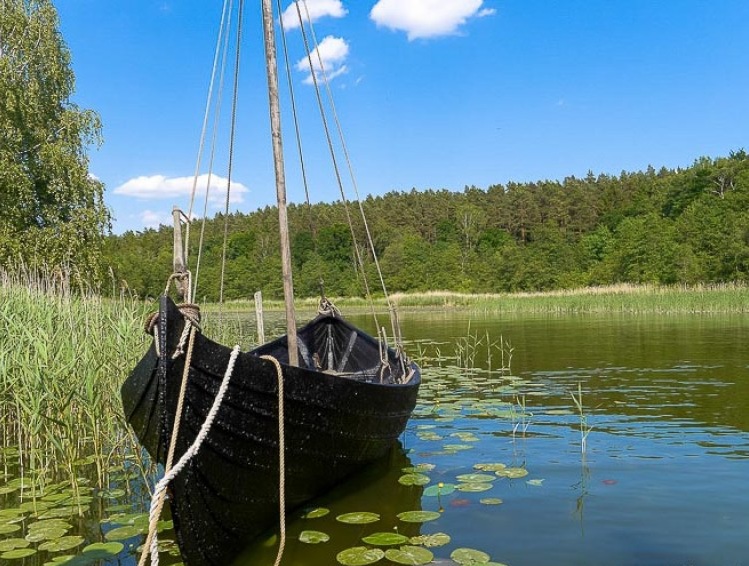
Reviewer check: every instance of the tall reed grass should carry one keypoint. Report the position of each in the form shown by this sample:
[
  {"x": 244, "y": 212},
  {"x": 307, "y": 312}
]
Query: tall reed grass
[
  {"x": 64, "y": 352},
  {"x": 621, "y": 298}
]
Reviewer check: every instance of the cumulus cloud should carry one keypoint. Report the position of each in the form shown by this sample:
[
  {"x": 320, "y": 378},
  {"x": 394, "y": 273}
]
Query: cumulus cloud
[
  {"x": 427, "y": 18},
  {"x": 317, "y": 9},
  {"x": 333, "y": 51},
  {"x": 153, "y": 219},
  {"x": 160, "y": 187}
]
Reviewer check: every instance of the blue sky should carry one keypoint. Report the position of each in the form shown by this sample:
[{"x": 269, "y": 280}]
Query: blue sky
[{"x": 430, "y": 93}]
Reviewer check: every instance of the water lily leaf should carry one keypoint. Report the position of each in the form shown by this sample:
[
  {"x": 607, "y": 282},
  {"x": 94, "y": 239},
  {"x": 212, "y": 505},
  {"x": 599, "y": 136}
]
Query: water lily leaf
[
  {"x": 439, "y": 489},
  {"x": 413, "y": 555},
  {"x": 47, "y": 533},
  {"x": 536, "y": 482},
  {"x": 62, "y": 543},
  {"x": 58, "y": 560},
  {"x": 12, "y": 544},
  {"x": 413, "y": 479},
  {"x": 34, "y": 506},
  {"x": 385, "y": 539},
  {"x": 475, "y": 487},
  {"x": 491, "y": 501},
  {"x": 489, "y": 467},
  {"x": 418, "y": 516},
  {"x": 512, "y": 473},
  {"x": 358, "y": 518},
  {"x": 102, "y": 550},
  {"x": 456, "y": 447},
  {"x": 473, "y": 478},
  {"x": 114, "y": 493},
  {"x": 316, "y": 513},
  {"x": 360, "y": 556},
  {"x": 436, "y": 539},
  {"x": 10, "y": 513},
  {"x": 313, "y": 537},
  {"x": 424, "y": 467},
  {"x": 8, "y": 528},
  {"x": 469, "y": 556},
  {"x": 18, "y": 553},
  {"x": 122, "y": 533}
]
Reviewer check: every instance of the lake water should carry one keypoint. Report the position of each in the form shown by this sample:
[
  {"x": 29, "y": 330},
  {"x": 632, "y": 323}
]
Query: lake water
[
  {"x": 662, "y": 481},
  {"x": 493, "y": 456}
]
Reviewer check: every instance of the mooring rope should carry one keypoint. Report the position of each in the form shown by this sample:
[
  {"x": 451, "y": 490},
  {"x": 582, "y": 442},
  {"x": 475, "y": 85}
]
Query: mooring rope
[
  {"x": 281, "y": 461},
  {"x": 151, "y": 545}
]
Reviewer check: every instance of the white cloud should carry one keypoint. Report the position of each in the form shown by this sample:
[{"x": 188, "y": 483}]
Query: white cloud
[
  {"x": 316, "y": 9},
  {"x": 427, "y": 18},
  {"x": 160, "y": 187},
  {"x": 333, "y": 51},
  {"x": 152, "y": 219}
]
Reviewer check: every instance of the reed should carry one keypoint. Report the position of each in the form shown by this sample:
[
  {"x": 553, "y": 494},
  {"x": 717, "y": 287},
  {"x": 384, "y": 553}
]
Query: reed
[
  {"x": 622, "y": 298},
  {"x": 585, "y": 428},
  {"x": 63, "y": 354}
]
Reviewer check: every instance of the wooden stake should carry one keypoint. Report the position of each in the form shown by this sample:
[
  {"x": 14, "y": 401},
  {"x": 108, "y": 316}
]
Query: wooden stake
[
  {"x": 179, "y": 254},
  {"x": 259, "y": 317}
]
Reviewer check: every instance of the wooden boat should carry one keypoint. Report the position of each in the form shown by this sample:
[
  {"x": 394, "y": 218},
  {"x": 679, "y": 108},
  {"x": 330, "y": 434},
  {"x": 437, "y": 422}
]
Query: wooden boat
[{"x": 280, "y": 429}]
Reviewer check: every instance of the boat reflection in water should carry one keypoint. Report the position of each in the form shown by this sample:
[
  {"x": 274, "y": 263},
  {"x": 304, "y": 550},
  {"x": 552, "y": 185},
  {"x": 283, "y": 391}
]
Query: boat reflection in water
[{"x": 374, "y": 490}]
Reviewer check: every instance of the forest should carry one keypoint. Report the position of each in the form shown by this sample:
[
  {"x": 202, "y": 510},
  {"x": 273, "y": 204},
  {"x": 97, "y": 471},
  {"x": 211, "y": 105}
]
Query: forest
[{"x": 669, "y": 226}]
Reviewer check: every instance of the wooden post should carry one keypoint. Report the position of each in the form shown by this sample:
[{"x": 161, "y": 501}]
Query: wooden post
[
  {"x": 275, "y": 126},
  {"x": 179, "y": 254},
  {"x": 259, "y": 317}
]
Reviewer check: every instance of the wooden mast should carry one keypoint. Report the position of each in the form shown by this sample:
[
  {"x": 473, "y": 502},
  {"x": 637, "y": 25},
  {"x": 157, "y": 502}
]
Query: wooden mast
[{"x": 275, "y": 125}]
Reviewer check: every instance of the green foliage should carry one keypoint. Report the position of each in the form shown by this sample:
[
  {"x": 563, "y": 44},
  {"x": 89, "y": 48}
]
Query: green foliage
[
  {"x": 670, "y": 226},
  {"x": 51, "y": 211}
]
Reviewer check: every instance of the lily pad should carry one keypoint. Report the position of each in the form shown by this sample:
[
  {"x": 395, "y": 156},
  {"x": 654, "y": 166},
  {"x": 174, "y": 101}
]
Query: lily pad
[
  {"x": 439, "y": 489},
  {"x": 436, "y": 539},
  {"x": 313, "y": 537},
  {"x": 62, "y": 543},
  {"x": 475, "y": 487},
  {"x": 473, "y": 478},
  {"x": 413, "y": 555},
  {"x": 413, "y": 479},
  {"x": 316, "y": 513},
  {"x": 418, "y": 516},
  {"x": 8, "y": 528},
  {"x": 385, "y": 539},
  {"x": 469, "y": 556},
  {"x": 12, "y": 544},
  {"x": 513, "y": 473},
  {"x": 491, "y": 501},
  {"x": 18, "y": 553},
  {"x": 48, "y": 533},
  {"x": 489, "y": 467},
  {"x": 122, "y": 533},
  {"x": 423, "y": 467},
  {"x": 535, "y": 482},
  {"x": 360, "y": 556},
  {"x": 358, "y": 518},
  {"x": 59, "y": 560},
  {"x": 102, "y": 550}
]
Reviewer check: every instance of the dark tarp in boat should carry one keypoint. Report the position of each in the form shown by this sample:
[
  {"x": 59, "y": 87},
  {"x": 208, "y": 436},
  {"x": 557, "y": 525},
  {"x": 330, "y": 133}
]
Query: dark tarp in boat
[{"x": 344, "y": 407}]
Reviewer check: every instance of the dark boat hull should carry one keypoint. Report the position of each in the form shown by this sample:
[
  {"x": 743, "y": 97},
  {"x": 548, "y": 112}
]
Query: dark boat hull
[{"x": 334, "y": 424}]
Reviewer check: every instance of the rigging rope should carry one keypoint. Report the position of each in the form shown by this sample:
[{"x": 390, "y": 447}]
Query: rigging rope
[
  {"x": 232, "y": 137},
  {"x": 224, "y": 15},
  {"x": 217, "y": 114},
  {"x": 391, "y": 308}
]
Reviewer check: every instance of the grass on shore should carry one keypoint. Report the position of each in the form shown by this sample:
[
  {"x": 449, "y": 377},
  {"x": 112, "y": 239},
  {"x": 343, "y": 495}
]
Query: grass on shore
[{"x": 622, "y": 298}]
